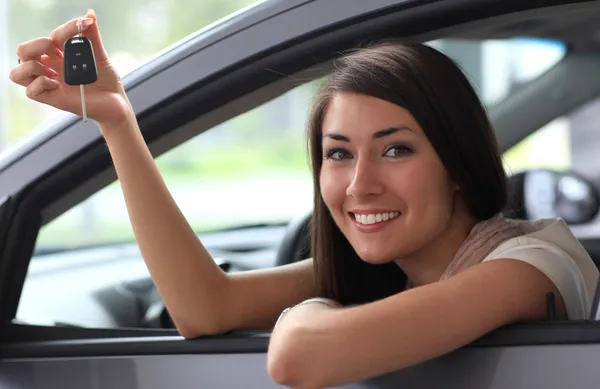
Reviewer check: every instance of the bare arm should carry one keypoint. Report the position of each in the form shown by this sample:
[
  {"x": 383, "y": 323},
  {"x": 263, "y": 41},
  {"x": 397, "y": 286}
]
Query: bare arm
[
  {"x": 201, "y": 298},
  {"x": 273, "y": 290},
  {"x": 317, "y": 347}
]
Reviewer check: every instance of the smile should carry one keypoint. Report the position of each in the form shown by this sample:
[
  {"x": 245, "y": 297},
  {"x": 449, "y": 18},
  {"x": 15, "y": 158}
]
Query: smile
[{"x": 374, "y": 218}]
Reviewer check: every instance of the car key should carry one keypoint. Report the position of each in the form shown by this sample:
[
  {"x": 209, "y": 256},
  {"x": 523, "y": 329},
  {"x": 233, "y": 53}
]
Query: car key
[{"x": 80, "y": 64}]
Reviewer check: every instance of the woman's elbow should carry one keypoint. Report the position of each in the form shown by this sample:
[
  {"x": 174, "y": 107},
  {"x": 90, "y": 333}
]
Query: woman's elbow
[
  {"x": 197, "y": 329},
  {"x": 280, "y": 370},
  {"x": 283, "y": 370},
  {"x": 189, "y": 333},
  {"x": 288, "y": 363}
]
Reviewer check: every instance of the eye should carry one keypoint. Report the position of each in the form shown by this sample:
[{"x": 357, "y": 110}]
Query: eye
[
  {"x": 338, "y": 154},
  {"x": 398, "y": 151}
]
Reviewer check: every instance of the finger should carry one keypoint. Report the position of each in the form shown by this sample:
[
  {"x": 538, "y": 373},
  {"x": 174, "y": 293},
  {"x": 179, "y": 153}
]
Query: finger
[
  {"x": 90, "y": 30},
  {"x": 93, "y": 34},
  {"x": 35, "y": 48},
  {"x": 37, "y": 89},
  {"x": 68, "y": 30},
  {"x": 54, "y": 63},
  {"x": 25, "y": 73}
]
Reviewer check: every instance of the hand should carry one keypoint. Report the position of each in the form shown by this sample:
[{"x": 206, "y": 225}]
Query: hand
[{"x": 41, "y": 72}]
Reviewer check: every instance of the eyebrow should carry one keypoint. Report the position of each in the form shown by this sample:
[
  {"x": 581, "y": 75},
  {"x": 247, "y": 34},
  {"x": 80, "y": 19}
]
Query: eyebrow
[{"x": 377, "y": 135}]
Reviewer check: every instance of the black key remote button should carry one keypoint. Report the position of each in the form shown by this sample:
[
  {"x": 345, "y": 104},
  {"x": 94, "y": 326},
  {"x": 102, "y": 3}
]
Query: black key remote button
[{"x": 80, "y": 63}]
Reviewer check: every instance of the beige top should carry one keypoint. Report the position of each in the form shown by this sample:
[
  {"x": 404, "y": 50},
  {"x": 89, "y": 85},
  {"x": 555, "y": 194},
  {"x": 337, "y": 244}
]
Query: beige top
[{"x": 550, "y": 246}]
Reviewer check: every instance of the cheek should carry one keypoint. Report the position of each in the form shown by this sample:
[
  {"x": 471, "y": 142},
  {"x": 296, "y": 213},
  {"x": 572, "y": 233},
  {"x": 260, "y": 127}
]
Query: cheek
[
  {"x": 424, "y": 183},
  {"x": 332, "y": 190}
]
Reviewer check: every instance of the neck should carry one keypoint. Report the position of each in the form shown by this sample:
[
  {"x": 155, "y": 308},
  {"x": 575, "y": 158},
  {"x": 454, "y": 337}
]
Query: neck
[{"x": 427, "y": 265}]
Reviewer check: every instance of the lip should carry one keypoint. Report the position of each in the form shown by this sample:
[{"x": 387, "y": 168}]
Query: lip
[
  {"x": 372, "y": 228},
  {"x": 372, "y": 211}
]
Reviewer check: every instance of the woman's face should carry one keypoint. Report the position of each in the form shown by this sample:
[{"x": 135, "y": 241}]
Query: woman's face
[{"x": 381, "y": 179}]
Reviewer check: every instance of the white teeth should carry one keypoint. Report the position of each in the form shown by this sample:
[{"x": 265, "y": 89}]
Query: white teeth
[{"x": 375, "y": 217}]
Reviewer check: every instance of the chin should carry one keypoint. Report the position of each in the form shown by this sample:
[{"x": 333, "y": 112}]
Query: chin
[{"x": 375, "y": 255}]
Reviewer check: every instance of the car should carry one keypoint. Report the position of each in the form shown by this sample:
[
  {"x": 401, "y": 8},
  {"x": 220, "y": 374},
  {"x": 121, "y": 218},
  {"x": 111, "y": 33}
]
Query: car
[{"x": 78, "y": 307}]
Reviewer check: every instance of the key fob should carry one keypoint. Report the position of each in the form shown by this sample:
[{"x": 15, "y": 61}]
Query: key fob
[{"x": 80, "y": 63}]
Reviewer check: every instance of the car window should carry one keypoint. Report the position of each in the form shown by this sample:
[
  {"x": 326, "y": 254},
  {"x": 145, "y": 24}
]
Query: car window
[
  {"x": 262, "y": 154},
  {"x": 250, "y": 170}
]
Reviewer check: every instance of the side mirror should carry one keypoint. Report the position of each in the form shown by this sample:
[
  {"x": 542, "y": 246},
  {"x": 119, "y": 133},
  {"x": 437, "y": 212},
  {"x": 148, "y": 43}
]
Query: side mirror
[{"x": 550, "y": 194}]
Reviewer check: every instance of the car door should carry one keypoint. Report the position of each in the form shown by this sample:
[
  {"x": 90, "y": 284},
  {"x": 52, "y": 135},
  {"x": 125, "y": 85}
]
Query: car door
[{"x": 228, "y": 69}]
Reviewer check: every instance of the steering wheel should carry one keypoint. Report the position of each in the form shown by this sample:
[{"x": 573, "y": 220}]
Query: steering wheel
[{"x": 296, "y": 243}]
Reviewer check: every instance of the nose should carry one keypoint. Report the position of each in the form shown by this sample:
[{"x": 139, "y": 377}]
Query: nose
[{"x": 365, "y": 179}]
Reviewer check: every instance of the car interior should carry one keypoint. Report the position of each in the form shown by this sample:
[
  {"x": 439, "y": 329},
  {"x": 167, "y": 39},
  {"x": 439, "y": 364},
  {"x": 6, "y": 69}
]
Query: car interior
[
  {"x": 135, "y": 303},
  {"x": 123, "y": 295}
]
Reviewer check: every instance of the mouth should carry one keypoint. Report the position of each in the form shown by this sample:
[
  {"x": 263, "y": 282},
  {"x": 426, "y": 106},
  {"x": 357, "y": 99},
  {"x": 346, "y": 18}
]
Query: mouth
[{"x": 373, "y": 222}]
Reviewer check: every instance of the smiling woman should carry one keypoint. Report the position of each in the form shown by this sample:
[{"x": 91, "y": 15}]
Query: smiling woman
[
  {"x": 407, "y": 231},
  {"x": 407, "y": 227},
  {"x": 387, "y": 118}
]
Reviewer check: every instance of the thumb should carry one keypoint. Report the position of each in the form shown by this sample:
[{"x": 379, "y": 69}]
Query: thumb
[{"x": 93, "y": 34}]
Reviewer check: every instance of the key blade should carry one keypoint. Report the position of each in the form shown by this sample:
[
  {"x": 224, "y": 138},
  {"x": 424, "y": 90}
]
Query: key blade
[{"x": 83, "y": 107}]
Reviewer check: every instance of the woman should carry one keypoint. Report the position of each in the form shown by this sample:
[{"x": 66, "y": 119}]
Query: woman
[{"x": 409, "y": 187}]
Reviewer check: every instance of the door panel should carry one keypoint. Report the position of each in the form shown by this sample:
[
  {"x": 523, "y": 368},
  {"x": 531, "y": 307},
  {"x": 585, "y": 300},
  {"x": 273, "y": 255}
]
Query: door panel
[{"x": 528, "y": 367}]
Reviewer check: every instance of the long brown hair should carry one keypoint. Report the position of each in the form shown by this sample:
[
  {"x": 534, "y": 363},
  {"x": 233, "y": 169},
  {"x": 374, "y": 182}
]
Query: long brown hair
[{"x": 436, "y": 92}]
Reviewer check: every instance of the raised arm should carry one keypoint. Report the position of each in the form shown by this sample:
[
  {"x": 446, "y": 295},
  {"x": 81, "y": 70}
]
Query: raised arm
[{"x": 200, "y": 297}]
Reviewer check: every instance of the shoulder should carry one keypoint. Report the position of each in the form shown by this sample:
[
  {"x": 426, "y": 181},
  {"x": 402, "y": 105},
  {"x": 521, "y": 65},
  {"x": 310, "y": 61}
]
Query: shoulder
[{"x": 550, "y": 246}]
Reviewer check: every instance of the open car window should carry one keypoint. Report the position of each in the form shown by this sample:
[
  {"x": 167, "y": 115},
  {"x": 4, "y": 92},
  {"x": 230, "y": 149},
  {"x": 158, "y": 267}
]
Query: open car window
[
  {"x": 251, "y": 170},
  {"x": 262, "y": 155}
]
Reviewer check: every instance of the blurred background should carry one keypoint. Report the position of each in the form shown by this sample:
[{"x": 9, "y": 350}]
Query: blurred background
[
  {"x": 252, "y": 169},
  {"x": 133, "y": 32}
]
